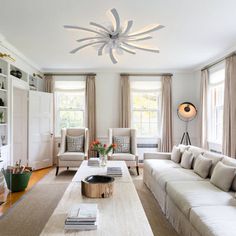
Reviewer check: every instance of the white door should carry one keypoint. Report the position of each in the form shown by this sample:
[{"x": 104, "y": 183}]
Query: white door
[
  {"x": 40, "y": 129},
  {"x": 20, "y": 122}
]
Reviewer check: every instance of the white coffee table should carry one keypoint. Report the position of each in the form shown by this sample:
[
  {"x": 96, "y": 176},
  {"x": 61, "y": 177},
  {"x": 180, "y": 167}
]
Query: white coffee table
[{"x": 120, "y": 215}]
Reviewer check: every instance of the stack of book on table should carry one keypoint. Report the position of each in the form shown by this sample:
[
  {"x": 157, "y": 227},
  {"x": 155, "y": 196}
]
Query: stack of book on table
[
  {"x": 93, "y": 161},
  {"x": 114, "y": 171},
  {"x": 83, "y": 216}
]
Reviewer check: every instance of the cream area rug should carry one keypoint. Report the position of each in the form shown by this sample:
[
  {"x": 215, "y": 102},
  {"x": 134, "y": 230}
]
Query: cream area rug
[{"x": 28, "y": 216}]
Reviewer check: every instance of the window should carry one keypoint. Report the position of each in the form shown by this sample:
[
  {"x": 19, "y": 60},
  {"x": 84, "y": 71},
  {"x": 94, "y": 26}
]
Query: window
[
  {"x": 146, "y": 107},
  {"x": 216, "y": 105},
  {"x": 69, "y": 104}
]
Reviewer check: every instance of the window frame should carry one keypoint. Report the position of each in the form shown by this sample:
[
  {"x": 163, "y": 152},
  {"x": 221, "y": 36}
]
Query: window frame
[
  {"x": 141, "y": 110},
  {"x": 58, "y": 109},
  {"x": 212, "y": 123}
]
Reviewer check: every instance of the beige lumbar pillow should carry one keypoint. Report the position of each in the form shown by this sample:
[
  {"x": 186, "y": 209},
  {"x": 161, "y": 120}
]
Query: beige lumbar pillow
[
  {"x": 202, "y": 166},
  {"x": 186, "y": 160},
  {"x": 222, "y": 176},
  {"x": 176, "y": 154}
]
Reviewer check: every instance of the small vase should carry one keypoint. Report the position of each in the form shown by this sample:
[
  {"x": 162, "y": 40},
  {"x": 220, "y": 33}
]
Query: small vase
[{"x": 103, "y": 160}]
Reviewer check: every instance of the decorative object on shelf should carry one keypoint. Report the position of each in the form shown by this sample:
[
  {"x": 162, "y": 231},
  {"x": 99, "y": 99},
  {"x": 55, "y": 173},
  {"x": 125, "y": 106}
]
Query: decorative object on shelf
[
  {"x": 38, "y": 75},
  {"x": 0, "y": 70},
  {"x": 97, "y": 186},
  {"x": 103, "y": 151},
  {"x": 3, "y": 87},
  {"x": 186, "y": 112},
  {"x": 3, "y": 139},
  {"x": 17, "y": 177},
  {"x": 7, "y": 56},
  {"x": 1, "y": 103},
  {"x": 13, "y": 72},
  {"x": 115, "y": 38},
  {"x": 18, "y": 74},
  {"x": 1, "y": 117}
]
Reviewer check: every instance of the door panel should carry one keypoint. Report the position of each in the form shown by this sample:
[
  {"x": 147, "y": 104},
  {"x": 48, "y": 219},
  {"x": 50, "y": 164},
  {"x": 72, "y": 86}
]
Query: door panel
[
  {"x": 20, "y": 114},
  {"x": 40, "y": 129}
]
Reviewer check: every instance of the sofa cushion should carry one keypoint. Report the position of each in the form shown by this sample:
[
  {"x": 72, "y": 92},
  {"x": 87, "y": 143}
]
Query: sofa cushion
[
  {"x": 175, "y": 174},
  {"x": 202, "y": 166},
  {"x": 214, "y": 220},
  {"x": 186, "y": 160},
  {"x": 183, "y": 147},
  {"x": 72, "y": 156},
  {"x": 75, "y": 143},
  {"x": 156, "y": 166},
  {"x": 123, "y": 144},
  {"x": 196, "y": 151},
  {"x": 223, "y": 176},
  {"x": 231, "y": 162},
  {"x": 189, "y": 194},
  {"x": 123, "y": 157},
  {"x": 215, "y": 157},
  {"x": 176, "y": 154}
]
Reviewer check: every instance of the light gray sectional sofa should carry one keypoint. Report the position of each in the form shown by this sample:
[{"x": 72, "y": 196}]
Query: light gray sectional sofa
[{"x": 193, "y": 205}]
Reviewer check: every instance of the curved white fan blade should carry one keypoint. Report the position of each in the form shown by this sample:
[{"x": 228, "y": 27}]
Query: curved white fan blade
[
  {"x": 128, "y": 27},
  {"x": 89, "y": 38},
  {"x": 101, "y": 27},
  {"x": 113, "y": 59},
  {"x": 139, "y": 38},
  {"x": 85, "y": 29},
  {"x": 117, "y": 21},
  {"x": 146, "y": 30},
  {"x": 130, "y": 45},
  {"x": 86, "y": 45},
  {"x": 100, "y": 50},
  {"x": 127, "y": 50}
]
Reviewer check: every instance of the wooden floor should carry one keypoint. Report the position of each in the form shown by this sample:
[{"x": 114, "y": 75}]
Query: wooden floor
[{"x": 10, "y": 198}]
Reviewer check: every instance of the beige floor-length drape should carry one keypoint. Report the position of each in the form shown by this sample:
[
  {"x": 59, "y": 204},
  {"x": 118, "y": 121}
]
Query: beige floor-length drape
[
  {"x": 125, "y": 104},
  {"x": 49, "y": 83},
  {"x": 91, "y": 108},
  {"x": 204, "y": 108},
  {"x": 229, "y": 123},
  {"x": 166, "y": 121}
]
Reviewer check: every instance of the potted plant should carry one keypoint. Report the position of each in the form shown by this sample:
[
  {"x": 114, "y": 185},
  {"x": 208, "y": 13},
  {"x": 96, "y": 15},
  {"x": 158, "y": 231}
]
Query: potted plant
[{"x": 103, "y": 150}]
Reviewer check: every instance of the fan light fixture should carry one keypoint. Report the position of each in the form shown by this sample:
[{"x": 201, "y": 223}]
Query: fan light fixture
[
  {"x": 186, "y": 112},
  {"x": 115, "y": 39}
]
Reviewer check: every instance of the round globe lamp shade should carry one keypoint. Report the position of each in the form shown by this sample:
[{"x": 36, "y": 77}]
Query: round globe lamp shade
[{"x": 187, "y": 111}]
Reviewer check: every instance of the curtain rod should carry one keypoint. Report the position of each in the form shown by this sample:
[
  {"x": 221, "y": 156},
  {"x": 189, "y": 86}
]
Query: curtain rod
[
  {"x": 218, "y": 61},
  {"x": 69, "y": 74},
  {"x": 158, "y": 74}
]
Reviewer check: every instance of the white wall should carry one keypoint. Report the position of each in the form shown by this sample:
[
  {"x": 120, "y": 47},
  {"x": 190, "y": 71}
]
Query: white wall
[{"x": 185, "y": 88}]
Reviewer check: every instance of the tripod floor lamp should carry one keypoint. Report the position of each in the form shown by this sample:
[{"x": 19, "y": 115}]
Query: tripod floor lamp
[{"x": 186, "y": 112}]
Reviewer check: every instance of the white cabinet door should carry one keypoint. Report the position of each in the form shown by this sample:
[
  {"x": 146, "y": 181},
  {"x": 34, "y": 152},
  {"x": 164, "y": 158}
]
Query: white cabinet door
[
  {"x": 40, "y": 129},
  {"x": 20, "y": 129}
]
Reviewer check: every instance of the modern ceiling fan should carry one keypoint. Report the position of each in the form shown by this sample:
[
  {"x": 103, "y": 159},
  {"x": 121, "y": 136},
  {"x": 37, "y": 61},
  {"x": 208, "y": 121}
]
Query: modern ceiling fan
[{"x": 115, "y": 38}]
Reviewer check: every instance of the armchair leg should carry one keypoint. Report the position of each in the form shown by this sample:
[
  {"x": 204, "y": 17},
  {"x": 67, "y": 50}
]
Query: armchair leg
[
  {"x": 67, "y": 167},
  {"x": 57, "y": 170},
  {"x": 137, "y": 169}
]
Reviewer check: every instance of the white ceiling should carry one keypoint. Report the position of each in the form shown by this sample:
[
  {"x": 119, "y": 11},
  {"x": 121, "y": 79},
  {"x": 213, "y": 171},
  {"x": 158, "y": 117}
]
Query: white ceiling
[{"x": 195, "y": 31}]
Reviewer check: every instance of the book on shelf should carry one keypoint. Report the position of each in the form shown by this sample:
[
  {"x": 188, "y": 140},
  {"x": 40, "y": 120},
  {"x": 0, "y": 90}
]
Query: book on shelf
[{"x": 81, "y": 227}]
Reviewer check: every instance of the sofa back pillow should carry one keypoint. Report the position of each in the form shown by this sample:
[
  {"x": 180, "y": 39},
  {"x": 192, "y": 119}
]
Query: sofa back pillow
[
  {"x": 215, "y": 158},
  {"x": 183, "y": 147},
  {"x": 176, "y": 154},
  {"x": 75, "y": 143},
  {"x": 222, "y": 176},
  {"x": 230, "y": 162},
  {"x": 196, "y": 151},
  {"x": 202, "y": 166},
  {"x": 186, "y": 160}
]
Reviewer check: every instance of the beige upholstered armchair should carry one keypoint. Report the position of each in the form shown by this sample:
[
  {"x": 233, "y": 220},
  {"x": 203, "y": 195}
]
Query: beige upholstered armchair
[
  {"x": 73, "y": 148},
  {"x": 125, "y": 139}
]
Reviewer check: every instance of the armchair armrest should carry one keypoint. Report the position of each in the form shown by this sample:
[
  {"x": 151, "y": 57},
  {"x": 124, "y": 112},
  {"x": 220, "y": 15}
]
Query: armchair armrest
[{"x": 157, "y": 155}]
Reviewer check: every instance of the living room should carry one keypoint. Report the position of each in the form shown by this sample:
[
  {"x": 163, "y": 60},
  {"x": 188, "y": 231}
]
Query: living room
[{"x": 117, "y": 118}]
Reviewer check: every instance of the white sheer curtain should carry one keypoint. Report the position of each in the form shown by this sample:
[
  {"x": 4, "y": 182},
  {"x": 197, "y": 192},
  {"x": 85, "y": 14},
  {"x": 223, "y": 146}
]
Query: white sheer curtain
[
  {"x": 204, "y": 108},
  {"x": 229, "y": 124},
  {"x": 166, "y": 127}
]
